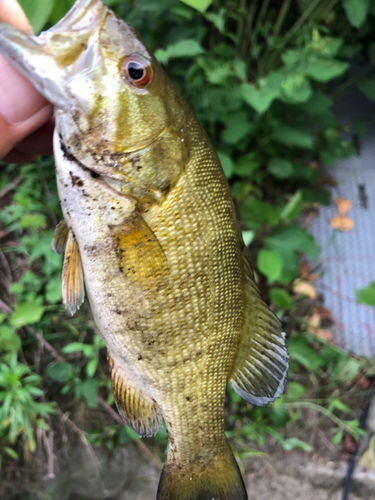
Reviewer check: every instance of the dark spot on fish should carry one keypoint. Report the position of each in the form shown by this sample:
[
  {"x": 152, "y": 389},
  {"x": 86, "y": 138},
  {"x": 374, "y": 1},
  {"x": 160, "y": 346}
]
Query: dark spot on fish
[
  {"x": 113, "y": 208},
  {"x": 139, "y": 357},
  {"x": 165, "y": 187},
  {"x": 121, "y": 269},
  {"x": 76, "y": 181},
  {"x": 94, "y": 175},
  {"x": 118, "y": 311},
  {"x": 139, "y": 168},
  {"x": 187, "y": 398},
  {"x": 146, "y": 210}
]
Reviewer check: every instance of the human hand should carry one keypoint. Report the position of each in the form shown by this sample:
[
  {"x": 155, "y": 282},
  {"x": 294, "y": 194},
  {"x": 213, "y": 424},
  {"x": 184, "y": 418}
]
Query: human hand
[{"x": 26, "y": 126}]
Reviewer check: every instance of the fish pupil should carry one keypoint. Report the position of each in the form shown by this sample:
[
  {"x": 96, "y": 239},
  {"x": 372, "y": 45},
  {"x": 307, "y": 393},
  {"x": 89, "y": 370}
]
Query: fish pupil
[{"x": 135, "y": 70}]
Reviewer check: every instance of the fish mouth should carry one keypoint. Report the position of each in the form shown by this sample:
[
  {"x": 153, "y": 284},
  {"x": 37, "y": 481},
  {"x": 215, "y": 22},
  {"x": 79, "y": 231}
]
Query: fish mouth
[{"x": 45, "y": 59}]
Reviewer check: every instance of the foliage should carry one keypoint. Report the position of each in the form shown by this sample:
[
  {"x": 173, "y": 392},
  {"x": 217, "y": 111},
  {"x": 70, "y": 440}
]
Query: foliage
[
  {"x": 367, "y": 295},
  {"x": 262, "y": 78}
]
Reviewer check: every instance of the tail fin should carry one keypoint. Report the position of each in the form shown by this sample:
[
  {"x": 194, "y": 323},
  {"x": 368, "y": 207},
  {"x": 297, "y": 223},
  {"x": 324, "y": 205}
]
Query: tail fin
[{"x": 219, "y": 479}]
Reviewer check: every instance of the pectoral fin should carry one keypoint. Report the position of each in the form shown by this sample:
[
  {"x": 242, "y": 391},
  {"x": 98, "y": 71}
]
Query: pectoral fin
[
  {"x": 138, "y": 411},
  {"x": 73, "y": 290},
  {"x": 60, "y": 237},
  {"x": 260, "y": 371},
  {"x": 141, "y": 256}
]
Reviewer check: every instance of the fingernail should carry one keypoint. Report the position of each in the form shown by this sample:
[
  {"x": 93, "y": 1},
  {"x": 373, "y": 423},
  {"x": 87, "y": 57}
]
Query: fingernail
[{"x": 19, "y": 100}]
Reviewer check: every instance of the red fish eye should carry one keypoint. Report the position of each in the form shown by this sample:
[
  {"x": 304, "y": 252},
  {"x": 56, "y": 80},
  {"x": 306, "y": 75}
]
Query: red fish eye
[{"x": 137, "y": 71}]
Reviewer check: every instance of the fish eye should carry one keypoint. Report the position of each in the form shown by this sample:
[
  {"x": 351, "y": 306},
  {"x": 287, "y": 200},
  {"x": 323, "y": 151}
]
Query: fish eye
[{"x": 137, "y": 71}]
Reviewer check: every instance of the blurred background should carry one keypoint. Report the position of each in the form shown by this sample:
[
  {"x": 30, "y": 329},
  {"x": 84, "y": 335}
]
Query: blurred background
[{"x": 285, "y": 90}]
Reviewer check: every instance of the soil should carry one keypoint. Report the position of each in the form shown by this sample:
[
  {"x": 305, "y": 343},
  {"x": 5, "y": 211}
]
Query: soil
[{"x": 128, "y": 475}]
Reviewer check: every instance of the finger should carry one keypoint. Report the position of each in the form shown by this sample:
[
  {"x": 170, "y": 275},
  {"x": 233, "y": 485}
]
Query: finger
[
  {"x": 22, "y": 109},
  {"x": 10, "y": 134},
  {"x": 12, "y": 13}
]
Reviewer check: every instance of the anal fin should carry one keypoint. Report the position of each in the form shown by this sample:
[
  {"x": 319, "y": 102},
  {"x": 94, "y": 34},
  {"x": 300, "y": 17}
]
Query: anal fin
[
  {"x": 138, "y": 411},
  {"x": 260, "y": 371},
  {"x": 73, "y": 289}
]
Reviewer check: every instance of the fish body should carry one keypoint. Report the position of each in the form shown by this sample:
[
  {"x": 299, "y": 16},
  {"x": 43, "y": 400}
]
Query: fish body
[{"x": 151, "y": 231}]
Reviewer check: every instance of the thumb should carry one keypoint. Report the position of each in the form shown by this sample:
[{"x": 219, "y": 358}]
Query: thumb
[{"x": 22, "y": 108}]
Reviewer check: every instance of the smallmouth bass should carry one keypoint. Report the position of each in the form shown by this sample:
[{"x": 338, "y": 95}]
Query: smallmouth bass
[{"x": 150, "y": 232}]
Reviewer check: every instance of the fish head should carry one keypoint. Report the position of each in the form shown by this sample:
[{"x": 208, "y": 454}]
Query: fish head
[{"x": 116, "y": 111}]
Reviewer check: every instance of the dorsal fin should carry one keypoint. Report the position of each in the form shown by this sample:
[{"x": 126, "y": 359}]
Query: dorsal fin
[
  {"x": 138, "y": 411},
  {"x": 60, "y": 237},
  {"x": 73, "y": 289},
  {"x": 261, "y": 367}
]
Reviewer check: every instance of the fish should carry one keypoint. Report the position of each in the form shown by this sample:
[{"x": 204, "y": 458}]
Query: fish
[{"x": 151, "y": 237}]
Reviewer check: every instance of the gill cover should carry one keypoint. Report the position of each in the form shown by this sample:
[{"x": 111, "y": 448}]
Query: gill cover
[{"x": 88, "y": 65}]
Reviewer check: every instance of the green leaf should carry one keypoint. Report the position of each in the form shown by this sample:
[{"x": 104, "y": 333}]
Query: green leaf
[
  {"x": 9, "y": 340},
  {"x": 256, "y": 212},
  {"x": 26, "y": 313},
  {"x": 367, "y": 87},
  {"x": 201, "y": 5},
  {"x": 11, "y": 452},
  {"x": 91, "y": 367},
  {"x": 296, "y": 88},
  {"x": 323, "y": 69},
  {"x": 280, "y": 167},
  {"x": 74, "y": 347},
  {"x": 337, "y": 438},
  {"x": 293, "y": 208},
  {"x": 226, "y": 163},
  {"x": 318, "y": 104},
  {"x": 217, "y": 19},
  {"x": 183, "y": 48},
  {"x": 237, "y": 128},
  {"x": 356, "y": 11},
  {"x": 295, "y": 390},
  {"x": 37, "y": 15},
  {"x": 61, "y": 372},
  {"x": 366, "y": 295},
  {"x": 302, "y": 353},
  {"x": 292, "y": 136},
  {"x": 281, "y": 298},
  {"x": 54, "y": 290},
  {"x": 127, "y": 434},
  {"x": 288, "y": 240},
  {"x": 279, "y": 414},
  {"x": 293, "y": 442},
  {"x": 88, "y": 389},
  {"x": 261, "y": 97},
  {"x": 270, "y": 264},
  {"x": 247, "y": 164}
]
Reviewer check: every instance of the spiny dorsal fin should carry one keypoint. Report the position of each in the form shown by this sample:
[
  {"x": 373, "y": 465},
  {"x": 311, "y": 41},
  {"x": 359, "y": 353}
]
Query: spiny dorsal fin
[
  {"x": 138, "y": 411},
  {"x": 73, "y": 290},
  {"x": 141, "y": 257},
  {"x": 260, "y": 371},
  {"x": 60, "y": 237}
]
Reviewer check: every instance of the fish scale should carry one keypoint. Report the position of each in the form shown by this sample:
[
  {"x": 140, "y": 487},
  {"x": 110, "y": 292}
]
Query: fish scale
[{"x": 150, "y": 232}]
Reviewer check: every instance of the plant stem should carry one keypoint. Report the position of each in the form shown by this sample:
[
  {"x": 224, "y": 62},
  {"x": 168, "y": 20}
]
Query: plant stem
[{"x": 281, "y": 17}]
